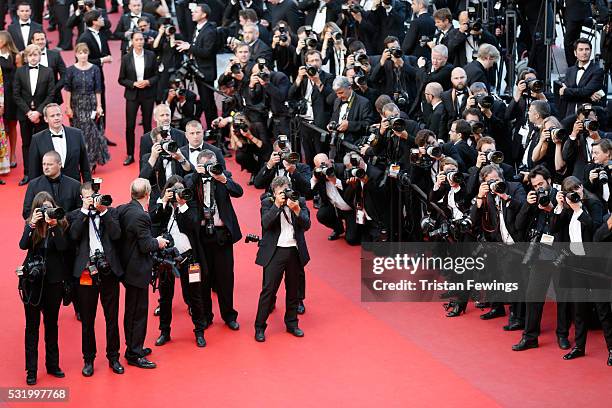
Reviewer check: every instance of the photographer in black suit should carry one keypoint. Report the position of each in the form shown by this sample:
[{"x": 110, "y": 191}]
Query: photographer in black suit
[
  {"x": 31, "y": 102},
  {"x": 138, "y": 74},
  {"x": 203, "y": 48},
  {"x": 128, "y": 23},
  {"x": 137, "y": 263},
  {"x": 94, "y": 228},
  {"x": 422, "y": 25},
  {"x": 218, "y": 231},
  {"x": 182, "y": 103},
  {"x": 163, "y": 120},
  {"x": 282, "y": 249},
  {"x": 65, "y": 140}
]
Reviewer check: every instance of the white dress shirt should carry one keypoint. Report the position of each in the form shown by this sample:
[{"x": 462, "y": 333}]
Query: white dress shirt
[
  {"x": 308, "y": 96},
  {"x": 333, "y": 194},
  {"x": 319, "y": 21},
  {"x": 33, "y": 73},
  {"x": 207, "y": 200},
  {"x": 503, "y": 230},
  {"x": 580, "y": 72},
  {"x": 25, "y": 31},
  {"x": 94, "y": 241},
  {"x": 452, "y": 204},
  {"x": 287, "y": 236},
  {"x": 575, "y": 233},
  {"x": 193, "y": 155},
  {"x": 96, "y": 36},
  {"x": 181, "y": 241},
  {"x": 59, "y": 144},
  {"x": 139, "y": 63},
  {"x": 44, "y": 60}
]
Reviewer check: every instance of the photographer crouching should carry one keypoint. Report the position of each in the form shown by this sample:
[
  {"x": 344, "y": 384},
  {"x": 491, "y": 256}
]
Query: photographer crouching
[
  {"x": 95, "y": 229},
  {"x": 41, "y": 280},
  {"x": 250, "y": 151},
  {"x": 181, "y": 261}
]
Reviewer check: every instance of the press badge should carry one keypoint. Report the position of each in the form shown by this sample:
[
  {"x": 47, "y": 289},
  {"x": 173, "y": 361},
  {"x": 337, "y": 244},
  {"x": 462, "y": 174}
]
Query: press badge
[
  {"x": 524, "y": 132},
  {"x": 547, "y": 239},
  {"x": 86, "y": 279},
  {"x": 360, "y": 217},
  {"x": 93, "y": 114},
  {"x": 394, "y": 170},
  {"x": 194, "y": 273}
]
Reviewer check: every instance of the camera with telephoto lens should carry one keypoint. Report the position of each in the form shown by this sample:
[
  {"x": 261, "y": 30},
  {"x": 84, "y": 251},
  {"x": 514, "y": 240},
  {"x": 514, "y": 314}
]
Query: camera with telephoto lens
[
  {"x": 360, "y": 78},
  {"x": 282, "y": 141},
  {"x": 236, "y": 68},
  {"x": 337, "y": 36},
  {"x": 297, "y": 107},
  {"x": 401, "y": 99},
  {"x": 311, "y": 42},
  {"x": 535, "y": 85},
  {"x": 291, "y": 194},
  {"x": 558, "y": 133},
  {"x": 362, "y": 58},
  {"x": 497, "y": 186},
  {"x": 397, "y": 124},
  {"x": 289, "y": 157},
  {"x": 81, "y": 5},
  {"x": 434, "y": 151},
  {"x": 166, "y": 22},
  {"x": 103, "y": 199},
  {"x": 591, "y": 125},
  {"x": 477, "y": 127},
  {"x": 169, "y": 146},
  {"x": 396, "y": 52},
  {"x": 485, "y": 101},
  {"x": 495, "y": 157},
  {"x": 252, "y": 238},
  {"x": 282, "y": 30},
  {"x": 603, "y": 172},
  {"x": 323, "y": 171},
  {"x": 572, "y": 196},
  {"x": 98, "y": 263},
  {"x": 208, "y": 220},
  {"x": 189, "y": 70},
  {"x": 33, "y": 270},
  {"x": 423, "y": 161},
  {"x": 238, "y": 125},
  {"x": 181, "y": 192},
  {"x": 354, "y": 172},
  {"x": 212, "y": 168},
  {"x": 333, "y": 131},
  {"x": 54, "y": 213},
  {"x": 455, "y": 176},
  {"x": 311, "y": 71},
  {"x": 307, "y": 30},
  {"x": 167, "y": 259},
  {"x": 424, "y": 40},
  {"x": 542, "y": 197}
]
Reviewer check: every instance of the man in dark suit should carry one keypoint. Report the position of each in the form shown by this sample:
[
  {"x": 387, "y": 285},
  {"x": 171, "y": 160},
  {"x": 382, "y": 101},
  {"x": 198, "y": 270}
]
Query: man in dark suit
[
  {"x": 77, "y": 19},
  {"x": 135, "y": 256},
  {"x": 65, "y": 190},
  {"x": 195, "y": 138},
  {"x": 393, "y": 73},
  {"x": 259, "y": 49},
  {"x": 67, "y": 141},
  {"x": 582, "y": 81},
  {"x": 23, "y": 27},
  {"x": 138, "y": 74},
  {"x": 203, "y": 48},
  {"x": 464, "y": 42},
  {"x": 482, "y": 69},
  {"x": 455, "y": 99},
  {"x": 351, "y": 112},
  {"x": 219, "y": 230},
  {"x": 95, "y": 228},
  {"x": 315, "y": 90},
  {"x": 282, "y": 249},
  {"x": 436, "y": 121},
  {"x": 388, "y": 18},
  {"x": 421, "y": 25},
  {"x": 182, "y": 104},
  {"x": 31, "y": 102},
  {"x": 52, "y": 59},
  {"x": 162, "y": 117},
  {"x": 435, "y": 71},
  {"x": 128, "y": 23},
  {"x": 288, "y": 11}
]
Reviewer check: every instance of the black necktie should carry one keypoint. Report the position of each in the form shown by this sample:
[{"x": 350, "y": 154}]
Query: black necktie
[
  {"x": 25, "y": 24},
  {"x": 580, "y": 68},
  {"x": 31, "y": 67}
]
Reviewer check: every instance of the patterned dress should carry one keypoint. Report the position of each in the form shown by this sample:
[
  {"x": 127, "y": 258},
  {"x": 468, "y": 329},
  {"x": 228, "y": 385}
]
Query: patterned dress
[
  {"x": 83, "y": 85},
  {"x": 4, "y": 142}
]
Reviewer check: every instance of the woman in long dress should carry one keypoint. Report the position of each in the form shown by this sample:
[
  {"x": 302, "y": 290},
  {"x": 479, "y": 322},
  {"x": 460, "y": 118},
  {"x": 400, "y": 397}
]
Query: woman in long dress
[
  {"x": 10, "y": 60},
  {"x": 5, "y": 149},
  {"x": 84, "y": 104}
]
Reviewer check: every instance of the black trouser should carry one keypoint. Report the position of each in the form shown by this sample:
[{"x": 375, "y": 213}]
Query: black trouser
[
  {"x": 572, "y": 33},
  {"x": 62, "y": 13},
  {"x": 108, "y": 292},
  {"x": 250, "y": 158},
  {"x": 135, "y": 320},
  {"x": 37, "y": 10},
  {"x": 287, "y": 261},
  {"x": 49, "y": 306},
  {"x": 220, "y": 261},
  {"x": 542, "y": 273},
  {"x": 312, "y": 145},
  {"x": 604, "y": 313},
  {"x": 207, "y": 101},
  {"x": 332, "y": 217},
  {"x": 131, "y": 111},
  {"x": 28, "y": 129},
  {"x": 185, "y": 23},
  {"x": 166, "y": 294}
]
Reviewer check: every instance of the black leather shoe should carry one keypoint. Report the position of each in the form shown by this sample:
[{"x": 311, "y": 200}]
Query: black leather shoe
[
  {"x": 296, "y": 331},
  {"x": 563, "y": 343},
  {"x": 492, "y": 314},
  {"x": 259, "y": 335},
  {"x": 142, "y": 362},
  {"x": 200, "y": 341},
  {"x": 88, "y": 369},
  {"x": 128, "y": 160},
  {"x": 146, "y": 351},
  {"x": 110, "y": 143},
  {"x": 610, "y": 358},
  {"x": 334, "y": 236},
  {"x": 525, "y": 344},
  {"x": 116, "y": 367},
  {"x": 156, "y": 311},
  {"x": 301, "y": 309},
  {"x": 575, "y": 353},
  {"x": 31, "y": 378},
  {"x": 233, "y": 325},
  {"x": 56, "y": 372},
  {"x": 457, "y": 309},
  {"x": 513, "y": 326},
  {"x": 162, "y": 339},
  {"x": 25, "y": 180}
]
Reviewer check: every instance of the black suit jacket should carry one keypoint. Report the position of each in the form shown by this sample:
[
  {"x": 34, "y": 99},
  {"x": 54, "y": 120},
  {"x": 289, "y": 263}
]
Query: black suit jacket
[
  {"x": 476, "y": 73},
  {"x": 375, "y": 197},
  {"x": 359, "y": 117},
  {"x": 22, "y": 92},
  {"x": 77, "y": 163},
  {"x": 204, "y": 50},
  {"x": 320, "y": 109},
  {"x": 127, "y": 77},
  {"x": 110, "y": 231},
  {"x": 260, "y": 49},
  {"x": 137, "y": 243},
  {"x": 223, "y": 194},
  {"x": 420, "y": 26},
  {"x": 300, "y": 179},
  {"x": 57, "y": 65},
  {"x": 95, "y": 52},
  {"x": 124, "y": 24},
  {"x": 437, "y": 122},
  {"x": 440, "y": 197},
  {"x": 156, "y": 175},
  {"x": 218, "y": 154},
  {"x": 590, "y": 220},
  {"x": 69, "y": 193},
  {"x": 146, "y": 143},
  {"x": 449, "y": 101},
  {"x": 456, "y": 45},
  {"x": 578, "y": 93},
  {"x": 15, "y": 31},
  {"x": 271, "y": 230}
]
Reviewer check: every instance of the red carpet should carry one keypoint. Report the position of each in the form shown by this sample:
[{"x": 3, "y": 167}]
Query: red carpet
[{"x": 353, "y": 353}]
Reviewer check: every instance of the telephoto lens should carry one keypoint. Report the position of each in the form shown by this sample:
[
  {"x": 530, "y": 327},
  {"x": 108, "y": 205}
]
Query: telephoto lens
[
  {"x": 396, "y": 52},
  {"x": 214, "y": 168},
  {"x": 397, "y": 124},
  {"x": 291, "y": 194},
  {"x": 310, "y": 70},
  {"x": 170, "y": 146},
  {"x": 486, "y": 101},
  {"x": 291, "y": 157},
  {"x": 573, "y": 196},
  {"x": 358, "y": 172},
  {"x": 434, "y": 151},
  {"x": 455, "y": 177},
  {"x": 311, "y": 42},
  {"x": 559, "y": 134},
  {"x": 497, "y": 186},
  {"x": 495, "y": 157},
  {"x": 543, "y": 197},
  {"x": 56, "y": 213},
  {"x": 591, "y": 125}
]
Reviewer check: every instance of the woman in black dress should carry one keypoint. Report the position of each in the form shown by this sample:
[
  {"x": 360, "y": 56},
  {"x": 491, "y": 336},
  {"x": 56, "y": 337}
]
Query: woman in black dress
[
  {"x": 45, "y": 240},
  {"x": 10, "y": 60}
]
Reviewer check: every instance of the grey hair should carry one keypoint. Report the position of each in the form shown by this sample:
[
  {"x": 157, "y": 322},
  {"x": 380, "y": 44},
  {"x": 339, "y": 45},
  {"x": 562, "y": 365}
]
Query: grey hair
[
  {"x": 478, "y": 86},
  {"x": 435, "y": 89},
  {"x": 488, "y": 50},
  {"x": 139, "y": 188},
  {"x": 206, "y": 154},
  {"x": 441, "y": 49},
  {"x": 279, "y": 181},
  {"x": 341, "y": 82}
]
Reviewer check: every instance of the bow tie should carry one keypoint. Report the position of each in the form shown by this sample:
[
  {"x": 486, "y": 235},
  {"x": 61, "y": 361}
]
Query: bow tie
[
  {"x": 43, "y": 53},
  {"x": 133, "y": 16},
  {"x": 61, "y": 135},
  {"x": 195, "y": 149},
  {"x": 25, "y": 24},
  {"x": 31, "y": 67},
  {"x": 580, "y": 68}
]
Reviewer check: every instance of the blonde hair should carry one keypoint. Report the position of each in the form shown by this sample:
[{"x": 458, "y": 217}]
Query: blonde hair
[
  {"x": 81, "y": 47},
  {"x": 30, "y": 49}
]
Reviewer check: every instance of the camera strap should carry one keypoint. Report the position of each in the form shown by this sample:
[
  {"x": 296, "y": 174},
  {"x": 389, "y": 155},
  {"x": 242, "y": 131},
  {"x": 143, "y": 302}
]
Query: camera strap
[{"x": 92, "y": 218}]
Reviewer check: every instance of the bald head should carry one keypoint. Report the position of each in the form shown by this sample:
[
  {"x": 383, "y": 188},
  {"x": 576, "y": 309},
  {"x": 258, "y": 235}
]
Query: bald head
[
  {"x": 320, "y": 159},
  {"x": 140, "y": 188},
  {"x": 459, "y": 78},
  {"x": 433, "y": 90}
]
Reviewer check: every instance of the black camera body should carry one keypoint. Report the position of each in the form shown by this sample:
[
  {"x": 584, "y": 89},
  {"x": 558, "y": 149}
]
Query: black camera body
[
  {"x": 572, "y": 196},
  {"x": 311, "y": 71},
  {"x": 33, "y": 270},
  {"x": 354, "y": 172},
  {"x": 189, "y": 70},
  {"x": 104, "y": 199},
  {"x": 184, "y": 193},
  {"x": 297, "y": 107},
  {"x": 323, "y": 171},
  {"x": 603, "y": 173},
  {"x": 208, "y": 220},
  {"x": 282, "y": 29},
  {"x": 165, "y": 260},
  {"x": 543, "y": 197},
  {"x": 455, "y": 177},
  {"x": 559, "y": 133},
  {"x": 168, "y": 146},
  {"x": 535, "y": 85},
  {"x": 497, "y": 186},
  {"x": 291, "y": 194},
  {"x": 212, "y": 168},
  {"x": 238, "y": 125},
  {"x": 98, "y": 263},
  {"x": 495, "y": 157},
  {"x": 397, "y": 124},
  {"x": 252, "y": 238},
  {"x": 56, "y": 213},
  {"x": 485, "y": 101}
]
